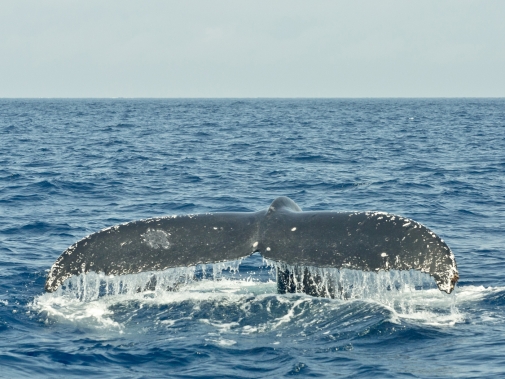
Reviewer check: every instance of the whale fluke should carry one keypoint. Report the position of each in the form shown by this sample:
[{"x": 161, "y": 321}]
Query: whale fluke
[{"x": 368, "y": 241}]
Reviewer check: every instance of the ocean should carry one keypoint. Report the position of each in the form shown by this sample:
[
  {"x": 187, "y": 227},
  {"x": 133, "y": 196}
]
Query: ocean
[{"x": 70, "y": 167}]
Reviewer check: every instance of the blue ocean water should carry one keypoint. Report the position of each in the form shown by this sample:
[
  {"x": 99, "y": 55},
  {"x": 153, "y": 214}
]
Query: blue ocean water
[{"x": 71, "y": 167}]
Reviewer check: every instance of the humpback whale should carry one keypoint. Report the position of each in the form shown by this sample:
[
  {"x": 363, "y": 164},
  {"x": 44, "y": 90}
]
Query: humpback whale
[{"x": 367, "y": 241}]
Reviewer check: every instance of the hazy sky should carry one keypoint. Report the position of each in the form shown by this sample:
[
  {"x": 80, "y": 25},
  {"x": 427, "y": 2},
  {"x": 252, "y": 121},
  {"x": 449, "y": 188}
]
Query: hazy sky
[{"x": 235, "y": 48}]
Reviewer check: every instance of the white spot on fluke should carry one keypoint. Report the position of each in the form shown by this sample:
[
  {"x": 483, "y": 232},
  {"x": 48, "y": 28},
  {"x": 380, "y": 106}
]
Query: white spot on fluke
[
  {"x": 268, "y": 249},
  {"x": 255, "y": 244},
  {"x": 384, "y": 255},
  {"x": 156, "y": 238},
  {"x": 293, "y": 229}
]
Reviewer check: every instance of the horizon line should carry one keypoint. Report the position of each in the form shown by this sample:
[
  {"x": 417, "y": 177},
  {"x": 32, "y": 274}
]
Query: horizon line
[{"x": 251, "y": 98}]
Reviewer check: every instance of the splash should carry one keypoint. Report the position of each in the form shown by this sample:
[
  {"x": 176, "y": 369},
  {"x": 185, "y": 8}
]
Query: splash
[
  {"x": 97, "y": 300},
  {"x": 407, "y": 294},
  {"x": 91, "y": 286}
]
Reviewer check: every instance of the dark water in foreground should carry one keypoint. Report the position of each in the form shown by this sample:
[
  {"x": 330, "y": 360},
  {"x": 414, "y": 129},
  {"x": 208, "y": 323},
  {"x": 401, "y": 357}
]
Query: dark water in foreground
[{"x": 71, "y": 167}]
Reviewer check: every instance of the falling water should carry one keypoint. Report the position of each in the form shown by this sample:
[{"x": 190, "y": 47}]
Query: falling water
[
  {"x": 395, "y": 289},
  {"x": 91, "y": 286},
  {"x": 403, "y": 291}
]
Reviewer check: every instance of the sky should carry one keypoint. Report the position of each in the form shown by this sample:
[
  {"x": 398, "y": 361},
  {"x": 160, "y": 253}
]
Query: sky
[{"x": 256, "y": 48}]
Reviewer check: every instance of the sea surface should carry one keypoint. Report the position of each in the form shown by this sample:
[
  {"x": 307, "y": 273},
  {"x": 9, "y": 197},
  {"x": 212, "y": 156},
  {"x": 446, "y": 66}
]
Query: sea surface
[{"x": 71, "y": 167}]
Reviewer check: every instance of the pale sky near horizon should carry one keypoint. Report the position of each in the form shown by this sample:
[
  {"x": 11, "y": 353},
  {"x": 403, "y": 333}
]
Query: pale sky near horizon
[{"x": 236, "y": 48}]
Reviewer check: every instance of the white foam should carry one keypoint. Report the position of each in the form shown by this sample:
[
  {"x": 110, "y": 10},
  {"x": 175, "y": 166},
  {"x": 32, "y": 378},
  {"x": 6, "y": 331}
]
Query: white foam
[
  {"x": 222, "y": 341},
  {"x": 65, "y": 309},
  {"x": 289, "y": 316}
]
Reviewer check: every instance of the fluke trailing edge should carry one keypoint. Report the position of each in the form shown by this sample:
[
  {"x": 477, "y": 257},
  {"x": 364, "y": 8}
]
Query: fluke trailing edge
[{"x": 368, "y": 241}]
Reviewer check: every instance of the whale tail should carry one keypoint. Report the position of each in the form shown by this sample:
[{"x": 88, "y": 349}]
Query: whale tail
[{"x": 367, "y": 241}]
